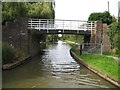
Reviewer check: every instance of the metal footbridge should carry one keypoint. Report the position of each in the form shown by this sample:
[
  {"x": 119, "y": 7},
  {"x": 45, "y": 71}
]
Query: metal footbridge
[{"x": 58, "y": 26}]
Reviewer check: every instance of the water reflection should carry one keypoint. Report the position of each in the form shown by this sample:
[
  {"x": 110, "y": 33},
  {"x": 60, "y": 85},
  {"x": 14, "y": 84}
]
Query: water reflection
[{"x": 55, "y": 69}]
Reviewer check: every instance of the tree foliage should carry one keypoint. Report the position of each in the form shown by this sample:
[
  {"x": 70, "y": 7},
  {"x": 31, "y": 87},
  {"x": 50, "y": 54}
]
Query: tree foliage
[
  {"x": 104, "y": 17},
  {"x": 113, "y": 34},
  {"x": 40, "y": 10},
  {"x": 119, "y": 36},
  {"x": 15, "y": 10},
  {"x": 74, "y": 38},
  {"x": 52, "y": 38}
]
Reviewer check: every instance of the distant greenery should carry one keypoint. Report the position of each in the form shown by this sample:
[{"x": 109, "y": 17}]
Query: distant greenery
[
  {"x": 52, "y": 38},
  {"x": 73, "y": 45},
  {"x": 74, "y": 38},
  {"x": 104, "y": 17}
]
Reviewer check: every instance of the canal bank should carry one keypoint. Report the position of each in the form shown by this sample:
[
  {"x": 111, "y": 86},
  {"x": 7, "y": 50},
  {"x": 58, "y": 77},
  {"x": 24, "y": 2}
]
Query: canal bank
[
  {"x": 106, "y": 77},
  {"x": 16, "y": 63}
]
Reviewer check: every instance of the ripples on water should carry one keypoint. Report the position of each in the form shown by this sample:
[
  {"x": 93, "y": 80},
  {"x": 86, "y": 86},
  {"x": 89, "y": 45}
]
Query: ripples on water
[
  {"x": 55, "y": 69},
  {"x": 64, "y": 67}
]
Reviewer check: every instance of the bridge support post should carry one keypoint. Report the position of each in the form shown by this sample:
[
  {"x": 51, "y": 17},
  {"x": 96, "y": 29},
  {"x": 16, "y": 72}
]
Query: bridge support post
[{"x": 63, "y": 26}]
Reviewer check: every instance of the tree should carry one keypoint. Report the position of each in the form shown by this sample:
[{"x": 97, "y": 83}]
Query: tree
[
  {"x": 113, "y": 34},
  {"x": 104, "y": 17},
  {"x": 13, "y": 10},
  {"x": 119, "y": 36},
  {"x": 41, "y": 10}
]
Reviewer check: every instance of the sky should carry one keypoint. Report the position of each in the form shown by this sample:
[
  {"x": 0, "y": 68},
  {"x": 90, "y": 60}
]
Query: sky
[{"x": 81, "y": 9}]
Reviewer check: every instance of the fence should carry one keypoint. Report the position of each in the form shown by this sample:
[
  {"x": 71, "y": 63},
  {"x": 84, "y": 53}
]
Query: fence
[
  {"x": 43, "y": 24},
  {"x": 95, "y": 48}
]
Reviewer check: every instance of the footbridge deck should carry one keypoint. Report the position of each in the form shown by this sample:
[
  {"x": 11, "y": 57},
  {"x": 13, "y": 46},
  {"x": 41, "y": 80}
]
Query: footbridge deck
[{"x": 57, "y": 26}]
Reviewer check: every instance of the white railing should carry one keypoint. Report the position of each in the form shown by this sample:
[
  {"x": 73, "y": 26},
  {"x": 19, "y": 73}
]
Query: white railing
[{"x": 50, "y": 24}]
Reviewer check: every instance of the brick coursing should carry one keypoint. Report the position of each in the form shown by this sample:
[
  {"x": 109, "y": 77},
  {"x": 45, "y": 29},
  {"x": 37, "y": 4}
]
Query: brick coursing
[{"x": 16, "y": 34}]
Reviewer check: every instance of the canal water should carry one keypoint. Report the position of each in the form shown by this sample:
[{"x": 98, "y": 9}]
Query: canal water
[{"x": 54, "y": 69}]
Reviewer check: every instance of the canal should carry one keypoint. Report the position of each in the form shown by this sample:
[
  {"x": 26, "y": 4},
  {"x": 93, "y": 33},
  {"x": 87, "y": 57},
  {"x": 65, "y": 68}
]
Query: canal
[{"x": 54, "y": 69}]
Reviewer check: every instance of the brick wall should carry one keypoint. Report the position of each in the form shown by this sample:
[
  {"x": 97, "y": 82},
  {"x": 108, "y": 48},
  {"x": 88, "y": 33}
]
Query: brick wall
[
  {"x": 105, "y": 39},
  {"x": 99, "y": 35},
  {"x": 96, "y": 36},
  {"x": 16, "y": 34}
]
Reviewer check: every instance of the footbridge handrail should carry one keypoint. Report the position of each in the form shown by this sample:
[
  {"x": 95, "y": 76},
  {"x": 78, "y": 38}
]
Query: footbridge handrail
[{"x": 55, "y": 24}]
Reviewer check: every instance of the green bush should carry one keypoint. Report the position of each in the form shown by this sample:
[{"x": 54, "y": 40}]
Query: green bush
[{"x": 7, "y": 53}]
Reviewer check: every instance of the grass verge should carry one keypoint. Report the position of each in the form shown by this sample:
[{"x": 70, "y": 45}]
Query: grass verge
[
  {"x": 110, "y": 54},
  {"x": 102, "y": 63}
]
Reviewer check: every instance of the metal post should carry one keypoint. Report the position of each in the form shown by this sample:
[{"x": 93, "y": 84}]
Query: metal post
[
  {"x": 20, "y": 24},
  {"x": 70, "y": 24},
  {"x": 78, "y": 27},
  {"x": 43, "y": 26},
  {"x": 39, "y": 24},
  {"x": 47, "y": 26},
  {"x": 31, "y": 24},
  {"x": 63, "y": 26},
  {"x": 101, "y": 48},
  {"x": 91, "y": 27},
  {"x": 81, "y": 49}
]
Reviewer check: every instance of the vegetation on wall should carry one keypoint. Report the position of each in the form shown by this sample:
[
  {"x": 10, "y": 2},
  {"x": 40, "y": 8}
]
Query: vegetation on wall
[{"x": 7, "y": 53}]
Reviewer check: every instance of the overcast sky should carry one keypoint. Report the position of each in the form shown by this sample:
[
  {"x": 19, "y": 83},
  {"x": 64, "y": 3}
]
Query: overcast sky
[{"x": 81, "y": 9}]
